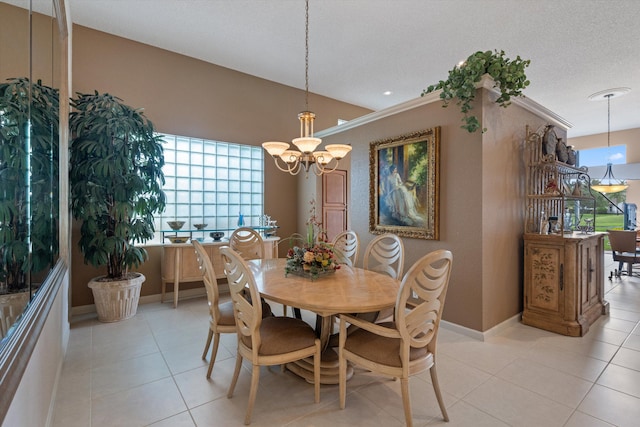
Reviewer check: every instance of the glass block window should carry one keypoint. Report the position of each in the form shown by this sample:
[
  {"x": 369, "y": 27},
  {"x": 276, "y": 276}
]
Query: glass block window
[{"x": 211, "y": 182}]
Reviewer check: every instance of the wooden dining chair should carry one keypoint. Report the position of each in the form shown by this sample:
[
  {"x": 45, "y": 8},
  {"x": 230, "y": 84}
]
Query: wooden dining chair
[
  {"x": 221, "y": 320},
  {"x": 295, "y": 239},
  {"x": 385, "y": 254},
  {"x": 264, "y": 341},
  {"x": 624, "y": 250},
  {"x": 406, "y": 346},
  {"x": 345, "y": 247},
  {"x": 247, "y": 242}
]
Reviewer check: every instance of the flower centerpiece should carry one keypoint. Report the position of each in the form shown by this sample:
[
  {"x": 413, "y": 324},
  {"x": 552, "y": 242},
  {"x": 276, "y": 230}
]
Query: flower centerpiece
[{"x": 316, "y": 257}]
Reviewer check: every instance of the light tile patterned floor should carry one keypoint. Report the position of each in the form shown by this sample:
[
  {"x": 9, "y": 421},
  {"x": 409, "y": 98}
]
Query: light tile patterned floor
[{"x": 148, "y": 371}]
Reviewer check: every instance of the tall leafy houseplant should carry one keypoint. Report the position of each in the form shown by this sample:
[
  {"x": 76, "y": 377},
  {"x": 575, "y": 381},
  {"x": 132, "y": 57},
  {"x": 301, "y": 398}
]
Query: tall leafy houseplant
[
  {"x": 509, "y": 77},
  {"x": 116, "y": 183},
  {"x": 28, "y": 181}
]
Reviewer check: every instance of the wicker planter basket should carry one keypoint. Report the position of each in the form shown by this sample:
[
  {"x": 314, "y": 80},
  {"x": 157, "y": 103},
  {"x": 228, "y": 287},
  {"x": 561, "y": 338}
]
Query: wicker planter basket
[{"x": 116, "y": 300}]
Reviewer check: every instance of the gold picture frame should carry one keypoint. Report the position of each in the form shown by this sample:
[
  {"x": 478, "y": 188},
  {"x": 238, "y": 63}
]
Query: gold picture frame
[{"x": 404, "y": 174}]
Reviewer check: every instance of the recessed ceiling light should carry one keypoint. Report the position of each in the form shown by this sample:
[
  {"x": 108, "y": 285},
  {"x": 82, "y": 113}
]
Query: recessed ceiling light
[{"x": 387, "y": 93}]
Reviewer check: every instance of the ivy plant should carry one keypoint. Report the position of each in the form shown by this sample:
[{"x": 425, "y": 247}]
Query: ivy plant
[{"x": 509, "y": 77}]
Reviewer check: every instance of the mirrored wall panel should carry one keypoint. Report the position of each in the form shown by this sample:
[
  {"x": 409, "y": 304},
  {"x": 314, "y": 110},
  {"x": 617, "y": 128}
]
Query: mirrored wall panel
[{"x": 29, "y": 121}]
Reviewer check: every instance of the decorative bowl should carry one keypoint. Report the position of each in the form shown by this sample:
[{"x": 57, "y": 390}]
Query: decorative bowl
[
  {"x": 217, "y": 235},
  {"x": 178, "y": 239},
  {"x": 200, "y": 226},
  {"x": 175, "y": 225}
]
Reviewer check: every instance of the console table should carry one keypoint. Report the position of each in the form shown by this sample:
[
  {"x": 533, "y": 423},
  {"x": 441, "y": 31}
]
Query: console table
[{"x": 180, "y": 265}]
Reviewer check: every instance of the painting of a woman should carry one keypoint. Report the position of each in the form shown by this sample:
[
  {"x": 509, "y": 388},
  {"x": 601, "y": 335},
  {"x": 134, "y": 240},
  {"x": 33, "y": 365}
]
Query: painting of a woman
[
  {"x": 401, "y": 200},
  {"x": 404, "y": 194}
]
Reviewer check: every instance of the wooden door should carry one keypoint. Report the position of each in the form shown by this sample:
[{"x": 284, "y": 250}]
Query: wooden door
[{"x": 334, "y": 203}]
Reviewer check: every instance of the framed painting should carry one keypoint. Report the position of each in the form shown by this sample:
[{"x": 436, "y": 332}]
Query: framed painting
[{"x": 404, "y": 185}]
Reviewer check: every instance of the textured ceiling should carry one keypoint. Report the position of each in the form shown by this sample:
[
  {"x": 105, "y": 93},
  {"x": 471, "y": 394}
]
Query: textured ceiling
[{"x": 362, "y": 48}]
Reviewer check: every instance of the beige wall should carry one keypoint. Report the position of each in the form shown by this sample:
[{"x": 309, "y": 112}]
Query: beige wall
[
  {"x": 481, "y": 203},
  {"x": 185, "y": 96},
  {"x": 630, "y": 138}
]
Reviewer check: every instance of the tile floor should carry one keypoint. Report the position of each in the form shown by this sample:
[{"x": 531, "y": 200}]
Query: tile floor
[{"x": 147, "y": 371}]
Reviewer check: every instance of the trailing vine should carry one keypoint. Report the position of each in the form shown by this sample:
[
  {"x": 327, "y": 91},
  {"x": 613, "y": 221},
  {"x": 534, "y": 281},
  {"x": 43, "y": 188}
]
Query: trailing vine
[{"x": 509, "y": 77}]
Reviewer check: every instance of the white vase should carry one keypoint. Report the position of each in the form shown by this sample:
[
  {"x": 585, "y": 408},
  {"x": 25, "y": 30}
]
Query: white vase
[
  {"x": 11, "y": 307},
  {"x": 116, "y": 299}
]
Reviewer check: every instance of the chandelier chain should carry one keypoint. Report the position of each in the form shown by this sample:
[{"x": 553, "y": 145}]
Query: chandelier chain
[
  {"x": 306, "y": 58},
  {"x": 608, "y": 119}
]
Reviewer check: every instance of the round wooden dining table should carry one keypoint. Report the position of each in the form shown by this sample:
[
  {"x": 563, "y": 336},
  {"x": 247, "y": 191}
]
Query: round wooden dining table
[{"x": 347, "y": 290}]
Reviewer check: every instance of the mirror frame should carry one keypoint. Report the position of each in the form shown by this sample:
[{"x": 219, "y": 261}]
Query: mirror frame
[{"x": 19, "y": 347}]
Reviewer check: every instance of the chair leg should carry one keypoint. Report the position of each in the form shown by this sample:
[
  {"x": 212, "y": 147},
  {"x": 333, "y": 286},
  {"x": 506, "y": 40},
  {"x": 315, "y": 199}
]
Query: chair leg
[
  {"x": 236, "y": 372},
  {"x": 436, "y": 388},
  {"x": 342, "y": 366},
  {"x": 206, "y": 346},
  {"x": 317, "y": 360},
  {"x": 255, "y": 378},
  {"x": 406, "y": 401},
  {"x": 214, "y": 352},
  {"x": 296, "y": 313}
]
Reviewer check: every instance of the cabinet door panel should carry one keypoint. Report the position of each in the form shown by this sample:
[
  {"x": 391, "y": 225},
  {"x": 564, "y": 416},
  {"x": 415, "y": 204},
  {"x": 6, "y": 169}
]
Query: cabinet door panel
[
  {"x": 545, "y": 275},
  {"x": 588, "y": 279}
]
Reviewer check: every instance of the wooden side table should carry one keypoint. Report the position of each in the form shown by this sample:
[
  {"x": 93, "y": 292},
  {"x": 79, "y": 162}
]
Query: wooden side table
[{"x": 180, "y": 265}]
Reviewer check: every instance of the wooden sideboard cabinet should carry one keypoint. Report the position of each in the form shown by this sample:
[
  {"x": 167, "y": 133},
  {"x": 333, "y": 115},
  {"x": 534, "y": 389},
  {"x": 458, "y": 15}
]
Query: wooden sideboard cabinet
[
  {"x": 564, "y": 281},
  {"x": 180, "y": 265}
]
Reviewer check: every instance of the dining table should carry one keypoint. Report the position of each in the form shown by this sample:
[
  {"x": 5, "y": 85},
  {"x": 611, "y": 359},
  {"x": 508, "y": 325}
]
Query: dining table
[{"x": 347, "y": 290}]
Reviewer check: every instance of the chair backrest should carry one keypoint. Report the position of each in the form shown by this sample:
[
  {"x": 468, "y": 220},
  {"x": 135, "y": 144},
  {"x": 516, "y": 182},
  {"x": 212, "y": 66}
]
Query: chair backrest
[
  {"x": 345, "y": 247},
  {"x": 247, "y": 307},
  {"x": 385, "y": 254},
  {"x": 421, "y": 300},
  {"x": 296, "y": 239},
  {"x": 209, "y": 279},
  {"x": 623, "y": 240},
  {"x": 247, "y": 242}
]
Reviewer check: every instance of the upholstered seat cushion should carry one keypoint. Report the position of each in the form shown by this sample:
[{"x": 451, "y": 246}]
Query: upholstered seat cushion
[
  {"x": 380, "y": 349},
  {"x": 226, "y": 314},
  {"x": 266, "y": 309},
  {"x": 282, "y": 335}
]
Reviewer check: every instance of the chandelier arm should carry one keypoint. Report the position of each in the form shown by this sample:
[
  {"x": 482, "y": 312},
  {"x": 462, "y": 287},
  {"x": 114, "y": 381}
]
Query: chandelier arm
[
  {"x": 325, "y": 169},
  {"x": 288, "y": 167},
  {"x": 295, "y": 169}
]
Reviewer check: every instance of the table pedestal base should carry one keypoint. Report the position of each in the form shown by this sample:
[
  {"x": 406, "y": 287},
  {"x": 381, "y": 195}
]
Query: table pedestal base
[{"x": 329, "y": 372}]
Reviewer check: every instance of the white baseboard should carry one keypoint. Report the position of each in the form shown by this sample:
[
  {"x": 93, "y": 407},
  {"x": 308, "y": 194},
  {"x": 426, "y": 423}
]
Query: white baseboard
[
  {"x": 150, "y": 299},
  {"x": 481, "y": 336}
]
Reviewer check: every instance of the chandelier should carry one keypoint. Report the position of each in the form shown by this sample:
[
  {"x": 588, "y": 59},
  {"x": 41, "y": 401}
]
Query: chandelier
[
  {"x": 609, "y": 184},
  {"x": 293, "y": 161}
]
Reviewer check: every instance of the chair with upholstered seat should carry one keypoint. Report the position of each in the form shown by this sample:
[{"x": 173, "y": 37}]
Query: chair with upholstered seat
[
  {"x": 624, "y": 249},
  {"x": 221, "y": 320},
  {"x": 345, "y": 247},
  {"x": 296, "y": 239},
  {"x": 406, "y": 346},
  {"x": 385, "y": 255},
  {"x": 268, "y": 341},
  {"x": 247, "y": 242}
]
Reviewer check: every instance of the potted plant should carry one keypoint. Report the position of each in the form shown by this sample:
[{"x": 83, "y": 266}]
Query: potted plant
[
  {"x": 509, "y": 77},
  {"x": 116, "y": 187},
  {"x": 28, "y": 190}
]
